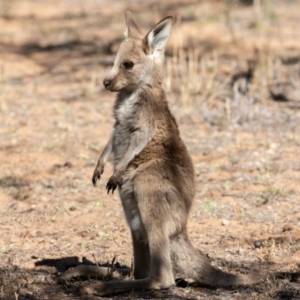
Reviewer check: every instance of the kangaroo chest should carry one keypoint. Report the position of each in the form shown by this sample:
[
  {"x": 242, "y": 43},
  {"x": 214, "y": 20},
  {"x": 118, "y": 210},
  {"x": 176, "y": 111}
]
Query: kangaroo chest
[
  {"x": 126, "y": 113},
  {"x": 126, "y": 110}
]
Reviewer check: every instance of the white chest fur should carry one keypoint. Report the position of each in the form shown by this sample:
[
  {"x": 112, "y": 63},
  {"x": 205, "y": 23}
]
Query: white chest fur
[{"x": 127, "y": 108}]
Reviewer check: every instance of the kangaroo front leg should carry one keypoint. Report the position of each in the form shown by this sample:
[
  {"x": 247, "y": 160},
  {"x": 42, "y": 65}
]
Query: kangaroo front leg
[
  {"x": 138, "y": 141},
  {"x": 108, "y": 149}
]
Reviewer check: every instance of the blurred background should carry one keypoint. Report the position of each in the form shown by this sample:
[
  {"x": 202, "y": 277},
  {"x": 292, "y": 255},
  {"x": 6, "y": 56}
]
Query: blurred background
[
  {"x": 232, "y": 78},
  {"x": 223, "y": 57}
]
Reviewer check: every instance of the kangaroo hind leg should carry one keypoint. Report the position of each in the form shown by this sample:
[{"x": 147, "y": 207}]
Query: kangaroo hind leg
[{"x": 155, "y": 242}]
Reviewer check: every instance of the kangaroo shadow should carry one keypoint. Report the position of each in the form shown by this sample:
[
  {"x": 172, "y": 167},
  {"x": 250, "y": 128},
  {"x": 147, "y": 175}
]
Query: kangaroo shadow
[
  {"x": 282, "y": 285},
  {"x": 41, "y": 282}
]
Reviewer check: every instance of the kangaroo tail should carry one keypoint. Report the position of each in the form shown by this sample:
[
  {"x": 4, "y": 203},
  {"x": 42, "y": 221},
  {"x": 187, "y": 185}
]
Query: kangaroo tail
[{"x": 188, "y": 260}]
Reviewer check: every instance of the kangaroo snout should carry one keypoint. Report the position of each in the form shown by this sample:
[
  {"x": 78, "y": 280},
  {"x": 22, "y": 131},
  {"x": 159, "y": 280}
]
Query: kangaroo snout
[{"x": 106, "y": 82}]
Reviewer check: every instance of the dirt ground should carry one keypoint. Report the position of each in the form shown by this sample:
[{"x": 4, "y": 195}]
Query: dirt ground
[{"x": 233, "y": 80}]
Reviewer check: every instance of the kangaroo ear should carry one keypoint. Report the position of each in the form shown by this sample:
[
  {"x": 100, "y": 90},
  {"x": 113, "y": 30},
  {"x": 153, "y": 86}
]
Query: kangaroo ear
[
  {"x": 156, "y": 39},
  {"x": 132, "y": 30}
]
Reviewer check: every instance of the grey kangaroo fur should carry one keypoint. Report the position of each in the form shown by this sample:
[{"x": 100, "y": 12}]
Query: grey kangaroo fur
[{"x": 152, "y": 171}]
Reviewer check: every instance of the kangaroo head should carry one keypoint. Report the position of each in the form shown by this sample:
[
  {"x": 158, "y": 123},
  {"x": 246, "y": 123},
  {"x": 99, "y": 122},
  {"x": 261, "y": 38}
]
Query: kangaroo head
[{"x": 139, "y": 59}]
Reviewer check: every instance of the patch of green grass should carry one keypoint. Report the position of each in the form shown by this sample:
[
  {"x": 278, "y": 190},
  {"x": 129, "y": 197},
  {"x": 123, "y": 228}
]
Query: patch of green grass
[
  {"x": 58, "y": 209},
  {"x": 99, "y": 204},
  {"x": 274, "y": 192},
  {"x": 295, "y": 247},
  {"x": 6, "y": 250},
  {"x": 7, "y": 181},
  {"x": 260, "y": 201},
  {"x": 84, "y": 245},
  {"x": 209, "y": 206},
  {"x": 15, "y": 192}
]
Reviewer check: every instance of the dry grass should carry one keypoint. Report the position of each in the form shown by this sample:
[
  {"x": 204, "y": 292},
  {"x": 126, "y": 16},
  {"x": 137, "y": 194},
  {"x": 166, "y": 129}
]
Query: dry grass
[{"x": 203, "y": 86}]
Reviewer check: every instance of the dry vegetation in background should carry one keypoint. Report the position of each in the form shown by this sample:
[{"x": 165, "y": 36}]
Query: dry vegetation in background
[{"x": 233, "y": 81}]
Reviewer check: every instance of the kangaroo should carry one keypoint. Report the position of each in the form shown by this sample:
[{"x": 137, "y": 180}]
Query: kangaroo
[{"x": 152, "y": 171}]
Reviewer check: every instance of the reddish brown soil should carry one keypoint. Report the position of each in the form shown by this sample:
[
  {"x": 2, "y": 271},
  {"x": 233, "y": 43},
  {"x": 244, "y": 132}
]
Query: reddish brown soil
[{"x": 55, "y": 117}]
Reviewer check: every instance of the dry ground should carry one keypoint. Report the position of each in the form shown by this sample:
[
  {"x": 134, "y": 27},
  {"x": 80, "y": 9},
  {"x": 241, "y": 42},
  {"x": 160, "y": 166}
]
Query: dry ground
[{"x": 233, "y": 80}]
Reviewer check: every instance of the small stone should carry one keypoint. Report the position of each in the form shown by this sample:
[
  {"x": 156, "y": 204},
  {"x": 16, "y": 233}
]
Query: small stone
[
  {"x": 240, "y": 251},
  {"x": 225, "y": 222},
  {"x": 72, "y": 208},
  {"x": 67, "y": 164},
  {"x": 287, "y": 227},
  {"x": 257, "y": 244},
  {"x": 84, "y": 234}
]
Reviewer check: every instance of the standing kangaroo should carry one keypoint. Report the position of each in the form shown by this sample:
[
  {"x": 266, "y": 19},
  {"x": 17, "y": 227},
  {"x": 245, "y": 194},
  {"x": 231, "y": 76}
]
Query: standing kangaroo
[{"x": 152, "y": 170}]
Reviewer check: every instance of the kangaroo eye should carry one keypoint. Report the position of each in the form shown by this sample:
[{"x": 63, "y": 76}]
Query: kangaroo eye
[{"x": 128, "y": 65}]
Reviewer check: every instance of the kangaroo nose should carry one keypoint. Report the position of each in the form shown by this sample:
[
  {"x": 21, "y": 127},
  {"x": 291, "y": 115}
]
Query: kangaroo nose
[{"x": 106, "y": 82}]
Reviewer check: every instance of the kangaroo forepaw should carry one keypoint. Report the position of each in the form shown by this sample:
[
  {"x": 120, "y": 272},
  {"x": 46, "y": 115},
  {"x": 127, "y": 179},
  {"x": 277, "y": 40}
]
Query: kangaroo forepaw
[
  {"x": 97, "y": 175},
  {"x": 112, "y": 183}
]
